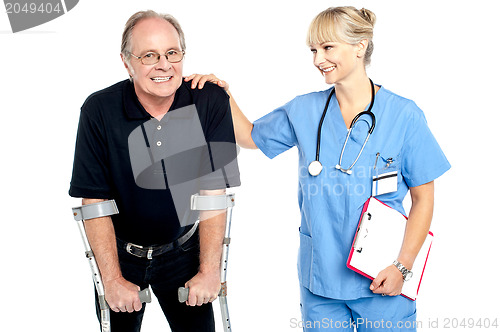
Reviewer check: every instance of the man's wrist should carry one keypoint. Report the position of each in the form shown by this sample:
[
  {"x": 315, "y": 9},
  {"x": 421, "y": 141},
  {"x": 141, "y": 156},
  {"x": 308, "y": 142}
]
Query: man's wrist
[
  {"x": 209, "y": 269},
  {"x": 109, "y": 280}
]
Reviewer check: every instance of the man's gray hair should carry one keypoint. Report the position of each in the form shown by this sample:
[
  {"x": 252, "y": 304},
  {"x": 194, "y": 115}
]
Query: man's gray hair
[{"x": 134, "y": 19}]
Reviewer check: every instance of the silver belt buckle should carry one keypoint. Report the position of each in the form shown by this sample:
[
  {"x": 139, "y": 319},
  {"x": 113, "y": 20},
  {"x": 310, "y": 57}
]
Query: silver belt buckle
[{"x": 129, "y": 246}]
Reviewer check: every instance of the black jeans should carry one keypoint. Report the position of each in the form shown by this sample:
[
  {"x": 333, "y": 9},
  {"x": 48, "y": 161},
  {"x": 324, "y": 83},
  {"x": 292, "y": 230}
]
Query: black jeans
[{"x": 165, "y": 273}]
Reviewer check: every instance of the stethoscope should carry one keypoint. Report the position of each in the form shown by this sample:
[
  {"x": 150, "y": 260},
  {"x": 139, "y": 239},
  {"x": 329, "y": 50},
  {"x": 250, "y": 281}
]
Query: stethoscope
[{"x": 315, "y": 167}]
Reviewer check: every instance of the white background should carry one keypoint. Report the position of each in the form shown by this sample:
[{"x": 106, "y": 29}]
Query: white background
[{"x": 442, "y": 54}]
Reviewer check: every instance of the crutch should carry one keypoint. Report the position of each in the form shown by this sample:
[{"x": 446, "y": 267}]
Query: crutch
[
  {"x": 216, "y": 202},
  {"x": 91, "y": 211}
]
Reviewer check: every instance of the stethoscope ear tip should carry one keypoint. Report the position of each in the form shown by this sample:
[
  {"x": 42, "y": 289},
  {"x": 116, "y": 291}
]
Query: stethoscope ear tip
[{"x": 348, "y": 171}]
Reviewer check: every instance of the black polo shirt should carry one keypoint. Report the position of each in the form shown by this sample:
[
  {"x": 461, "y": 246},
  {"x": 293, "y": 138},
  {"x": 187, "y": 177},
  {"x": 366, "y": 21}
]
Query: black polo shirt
[{"x": 150, "y": 167}]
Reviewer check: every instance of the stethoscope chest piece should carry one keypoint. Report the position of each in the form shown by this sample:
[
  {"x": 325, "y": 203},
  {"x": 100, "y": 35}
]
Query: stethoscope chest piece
[{"x": 315, "y": 168}]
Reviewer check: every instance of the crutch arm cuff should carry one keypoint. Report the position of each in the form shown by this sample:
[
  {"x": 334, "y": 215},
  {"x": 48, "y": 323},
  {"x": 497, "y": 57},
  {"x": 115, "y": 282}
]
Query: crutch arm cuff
[
  {"x": 212, "y": 202},
  {"x": 95, "y": 210}
]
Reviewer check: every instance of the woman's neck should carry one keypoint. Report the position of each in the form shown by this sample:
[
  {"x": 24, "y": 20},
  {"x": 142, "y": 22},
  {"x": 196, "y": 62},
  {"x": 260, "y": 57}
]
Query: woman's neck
[{"x": 353, "y": 96}]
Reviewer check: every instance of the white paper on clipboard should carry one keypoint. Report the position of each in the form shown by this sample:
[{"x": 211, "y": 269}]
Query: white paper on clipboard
[{"x": 378, "y": 241}]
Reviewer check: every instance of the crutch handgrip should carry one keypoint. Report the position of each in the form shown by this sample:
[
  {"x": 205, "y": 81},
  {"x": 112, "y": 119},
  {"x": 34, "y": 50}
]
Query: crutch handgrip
[
  {"x": 183, "y": 294},
  {"x": 145, "y": 295}
]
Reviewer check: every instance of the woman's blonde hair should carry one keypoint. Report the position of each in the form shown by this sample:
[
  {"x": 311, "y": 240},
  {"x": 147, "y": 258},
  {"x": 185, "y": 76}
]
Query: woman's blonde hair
[{"x": 343, "y": 24}]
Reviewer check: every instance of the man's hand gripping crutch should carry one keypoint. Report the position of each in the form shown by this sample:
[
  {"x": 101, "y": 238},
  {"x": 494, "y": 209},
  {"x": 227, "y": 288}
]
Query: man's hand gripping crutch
[
  {"x": 101, "y": 235},
  {"x": 206, "y": 204}
]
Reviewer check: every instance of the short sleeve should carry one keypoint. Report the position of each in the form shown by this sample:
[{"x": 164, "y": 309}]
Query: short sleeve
[
  {"x": 221, "y": 143},
  {"x": 273, "y": 133},
  {"x": 90, "y": 177},
  {"x": 422, "y": 158}
]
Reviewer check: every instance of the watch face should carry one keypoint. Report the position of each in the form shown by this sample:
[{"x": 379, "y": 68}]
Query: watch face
[{"x": 408, "y": 275}]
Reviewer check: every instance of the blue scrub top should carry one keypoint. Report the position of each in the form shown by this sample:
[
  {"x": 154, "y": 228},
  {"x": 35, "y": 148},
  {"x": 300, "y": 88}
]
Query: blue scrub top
[{"x": 331, "y": 203}]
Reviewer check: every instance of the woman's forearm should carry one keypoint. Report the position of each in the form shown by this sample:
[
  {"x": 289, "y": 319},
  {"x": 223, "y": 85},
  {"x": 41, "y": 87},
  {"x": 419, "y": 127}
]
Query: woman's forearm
[
  {"x": 419, "y": 222},
  {"x": 242, "y": 126}
]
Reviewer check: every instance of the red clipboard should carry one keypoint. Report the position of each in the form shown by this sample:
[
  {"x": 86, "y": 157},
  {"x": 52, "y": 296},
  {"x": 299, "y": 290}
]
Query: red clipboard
[{"x": 377, "y": 243}]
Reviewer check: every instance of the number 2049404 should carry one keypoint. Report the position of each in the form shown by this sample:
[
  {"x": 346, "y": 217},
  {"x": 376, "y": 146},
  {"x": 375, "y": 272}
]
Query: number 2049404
[
  {"x": 470, "y": 323},
  {"x": 32, "y": 8}
]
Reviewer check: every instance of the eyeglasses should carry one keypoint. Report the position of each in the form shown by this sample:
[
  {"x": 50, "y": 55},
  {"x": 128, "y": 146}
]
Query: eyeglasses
[{"x": 152, "y": 58}]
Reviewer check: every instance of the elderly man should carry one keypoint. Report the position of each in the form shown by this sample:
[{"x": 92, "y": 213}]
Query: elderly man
[{"x": 131, "y": 149}]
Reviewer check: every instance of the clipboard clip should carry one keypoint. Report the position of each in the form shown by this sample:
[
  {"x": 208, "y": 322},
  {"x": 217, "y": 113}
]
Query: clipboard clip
[{"x": 359, "y": 237}]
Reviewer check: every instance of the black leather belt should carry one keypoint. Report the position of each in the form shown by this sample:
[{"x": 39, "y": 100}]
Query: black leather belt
[{"x": 152, "y": 251}]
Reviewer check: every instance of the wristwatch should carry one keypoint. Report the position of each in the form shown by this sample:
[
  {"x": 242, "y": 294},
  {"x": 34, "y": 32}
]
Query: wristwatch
[{"x": 407, "y": 274}]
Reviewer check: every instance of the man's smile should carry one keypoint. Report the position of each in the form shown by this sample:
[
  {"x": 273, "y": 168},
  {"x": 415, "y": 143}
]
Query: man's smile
[{"x": 160, "y": 79}]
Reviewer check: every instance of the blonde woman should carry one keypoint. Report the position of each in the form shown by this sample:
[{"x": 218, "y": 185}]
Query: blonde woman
[{"x": 339, "y": 165}]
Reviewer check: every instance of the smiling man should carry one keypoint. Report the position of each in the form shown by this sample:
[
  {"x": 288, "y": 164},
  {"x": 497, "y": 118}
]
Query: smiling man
[
  {"x": 156, "y": 78},
  {"x": 128, "y": 139}
]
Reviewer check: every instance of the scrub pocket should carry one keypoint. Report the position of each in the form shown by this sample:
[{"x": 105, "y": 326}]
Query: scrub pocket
[
  {"x": 304, "y": 263},
  {"x": 386, "y": 174}
]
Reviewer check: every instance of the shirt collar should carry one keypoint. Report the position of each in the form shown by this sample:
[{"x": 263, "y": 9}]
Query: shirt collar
[{"x": 135, "y": 110}]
